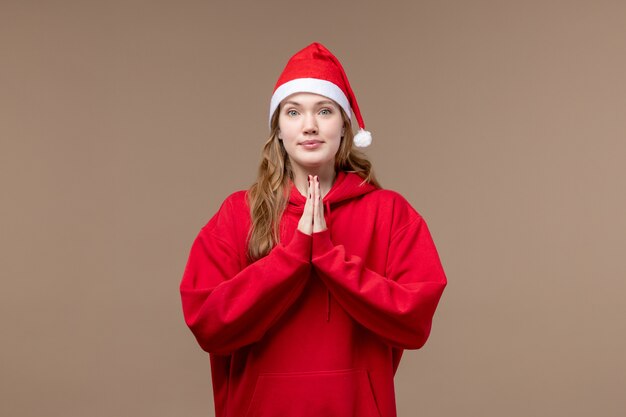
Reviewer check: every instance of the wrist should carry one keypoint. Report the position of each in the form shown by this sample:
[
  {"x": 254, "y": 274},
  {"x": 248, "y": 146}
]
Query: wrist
[
  {"x": 300, "y": 245},
  {"x": 321, "y": 243}
]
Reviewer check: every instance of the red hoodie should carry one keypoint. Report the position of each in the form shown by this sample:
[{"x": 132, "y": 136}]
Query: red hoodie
[{"x": 317, "y": 327}]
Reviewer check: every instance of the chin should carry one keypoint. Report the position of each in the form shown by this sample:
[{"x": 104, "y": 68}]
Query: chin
[{"x": 313, "y": 162}]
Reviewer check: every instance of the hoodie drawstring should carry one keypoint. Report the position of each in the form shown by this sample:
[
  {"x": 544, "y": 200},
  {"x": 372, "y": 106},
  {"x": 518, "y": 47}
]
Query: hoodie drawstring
[{"x": 328, "y": 305}]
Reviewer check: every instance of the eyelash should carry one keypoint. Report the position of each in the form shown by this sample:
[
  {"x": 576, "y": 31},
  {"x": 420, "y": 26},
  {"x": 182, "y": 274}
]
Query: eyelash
[{"x": 329, "y": 111}]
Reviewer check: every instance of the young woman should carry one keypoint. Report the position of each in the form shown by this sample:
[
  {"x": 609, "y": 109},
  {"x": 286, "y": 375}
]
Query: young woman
[{"x": 306, "y": 288}]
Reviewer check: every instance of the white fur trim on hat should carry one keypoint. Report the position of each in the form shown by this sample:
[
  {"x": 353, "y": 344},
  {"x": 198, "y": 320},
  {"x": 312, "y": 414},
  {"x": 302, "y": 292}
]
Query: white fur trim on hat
[{"x": 309, "y": 85}]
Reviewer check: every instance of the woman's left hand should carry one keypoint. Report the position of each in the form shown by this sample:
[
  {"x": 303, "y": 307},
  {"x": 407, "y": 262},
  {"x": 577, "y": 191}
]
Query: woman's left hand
[{"x": 319, "y": 222}]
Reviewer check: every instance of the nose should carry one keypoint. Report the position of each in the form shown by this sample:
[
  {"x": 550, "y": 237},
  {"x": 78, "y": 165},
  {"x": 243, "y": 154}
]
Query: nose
[{"x": 310, "y": 124}]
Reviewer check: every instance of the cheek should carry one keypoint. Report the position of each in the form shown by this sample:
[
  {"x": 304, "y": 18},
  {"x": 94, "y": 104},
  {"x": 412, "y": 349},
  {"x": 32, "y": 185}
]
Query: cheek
[
  {"x": 338, "y": 126},
  {"x": 287, "y": 130}
]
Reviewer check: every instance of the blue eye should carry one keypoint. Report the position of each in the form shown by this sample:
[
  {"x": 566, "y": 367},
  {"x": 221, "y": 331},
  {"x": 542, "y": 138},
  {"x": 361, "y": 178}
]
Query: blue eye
[
  {"x": 326, "y": 110},
  {"x": 289, "y": 112}
]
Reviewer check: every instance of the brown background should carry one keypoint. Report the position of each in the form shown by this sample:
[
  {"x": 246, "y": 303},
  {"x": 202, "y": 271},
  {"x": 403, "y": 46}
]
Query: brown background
[{"x": 124, "y": 124}]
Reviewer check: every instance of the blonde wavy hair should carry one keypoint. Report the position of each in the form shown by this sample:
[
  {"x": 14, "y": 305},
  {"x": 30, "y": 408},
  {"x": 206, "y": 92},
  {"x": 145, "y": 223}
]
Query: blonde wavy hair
[{"x": 269, "y": 194}]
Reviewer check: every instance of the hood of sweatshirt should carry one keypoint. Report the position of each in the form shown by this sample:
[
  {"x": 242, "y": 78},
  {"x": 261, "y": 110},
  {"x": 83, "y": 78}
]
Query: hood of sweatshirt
[{"x": 347, "y": 186}]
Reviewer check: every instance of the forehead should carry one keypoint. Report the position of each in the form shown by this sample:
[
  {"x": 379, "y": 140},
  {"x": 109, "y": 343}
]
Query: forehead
[{"x": 307, "y": 99}]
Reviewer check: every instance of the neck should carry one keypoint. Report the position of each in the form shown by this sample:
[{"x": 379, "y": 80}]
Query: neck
[{"x": 326, "y": 175}]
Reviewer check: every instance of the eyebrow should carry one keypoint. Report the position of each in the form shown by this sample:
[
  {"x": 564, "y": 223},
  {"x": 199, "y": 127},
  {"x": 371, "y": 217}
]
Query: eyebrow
[{"x": 318, "y": 103}]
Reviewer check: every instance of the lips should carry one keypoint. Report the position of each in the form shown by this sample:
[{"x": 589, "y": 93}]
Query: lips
[{"x": 310, "y": 142}]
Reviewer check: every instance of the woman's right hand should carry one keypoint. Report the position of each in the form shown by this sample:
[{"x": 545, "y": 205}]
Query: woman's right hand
[{"x": 306, "y": 221}]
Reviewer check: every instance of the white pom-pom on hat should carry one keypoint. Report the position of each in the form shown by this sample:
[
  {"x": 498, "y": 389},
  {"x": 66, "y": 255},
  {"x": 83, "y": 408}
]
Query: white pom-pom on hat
[
  {"x": 363, "y": 139},
  {"x": 315, "y": 69}
]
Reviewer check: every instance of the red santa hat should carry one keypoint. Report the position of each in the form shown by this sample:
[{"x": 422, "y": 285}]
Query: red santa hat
[{"x": 315, "y": 69}]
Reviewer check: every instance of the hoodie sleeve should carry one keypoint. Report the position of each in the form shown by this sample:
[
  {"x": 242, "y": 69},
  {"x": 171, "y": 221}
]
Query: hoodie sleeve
[
  {"x": 227, "y": 307},
  {"x": 399, "y": 306}
]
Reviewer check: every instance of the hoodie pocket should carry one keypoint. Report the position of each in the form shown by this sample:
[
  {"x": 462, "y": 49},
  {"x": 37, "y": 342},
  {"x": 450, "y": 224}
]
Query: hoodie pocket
[{"x": 344, "y": 393}]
